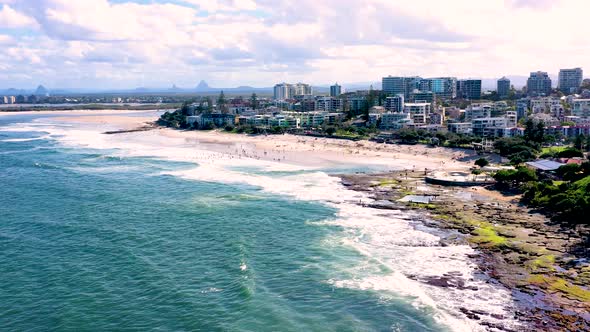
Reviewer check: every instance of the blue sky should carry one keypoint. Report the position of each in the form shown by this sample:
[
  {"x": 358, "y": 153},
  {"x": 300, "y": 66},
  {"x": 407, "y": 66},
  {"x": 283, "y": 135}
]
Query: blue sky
[{"x": 127, "y": 44}]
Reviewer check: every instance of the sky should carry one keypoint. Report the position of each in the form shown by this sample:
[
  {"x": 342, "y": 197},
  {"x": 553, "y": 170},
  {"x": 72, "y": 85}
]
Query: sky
[{"x": 120, "y": 44}]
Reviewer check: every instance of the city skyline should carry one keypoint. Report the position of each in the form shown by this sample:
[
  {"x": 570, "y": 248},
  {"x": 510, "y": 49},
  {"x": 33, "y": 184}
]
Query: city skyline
[{"x": 101, "y": 44}]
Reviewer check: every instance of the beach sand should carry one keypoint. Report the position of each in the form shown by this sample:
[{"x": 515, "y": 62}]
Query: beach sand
[{"x": 286, "y": 149}]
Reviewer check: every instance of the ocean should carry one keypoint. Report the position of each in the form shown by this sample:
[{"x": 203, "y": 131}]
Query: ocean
[{"x": 139, "y": 232}]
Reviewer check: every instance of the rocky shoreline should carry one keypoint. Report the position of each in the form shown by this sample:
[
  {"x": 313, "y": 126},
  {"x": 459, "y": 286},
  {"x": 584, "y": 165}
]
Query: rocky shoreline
[{"x": 540, "y": 262}]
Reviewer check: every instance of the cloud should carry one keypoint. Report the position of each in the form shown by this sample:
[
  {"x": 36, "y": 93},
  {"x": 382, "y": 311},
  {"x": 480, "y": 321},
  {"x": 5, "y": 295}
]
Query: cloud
[
  {"x": 532, "y": 4},
  {"x": 10, "y": 18},
  {"x": 99, "y": 20},
  {"x": 223, "y": 5},
  {"x": 128, "y": 43}
]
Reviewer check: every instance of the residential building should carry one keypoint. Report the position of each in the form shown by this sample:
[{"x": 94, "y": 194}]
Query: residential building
[
  {"x": 335, "y": 90},
  {"x": 356, "y": 103},
  {"x": 302, "y": 89},
  {"x": 419, "y": 112},
  {"x": 544, "y": 104},
  {"x": 436, "y": 118},
  {"x": 393, "y": 86},
  {"x": 570, "y": 80},
  {"x": 522, "y": 108},
  {"x": 283, "y": 91},
  {"x": 478, "y": 111},
  {"x": 418, "y": 96},
  {"x": 459, "y": 127},
  {"x": 207, "y": 120},
  {"x": 547, "y": 119},
  {"x": 328, "y": 104},
  {"x": 486, "y": 127},
  {"x": 511, "y": 119},
  {"x": 539, "y": 84},
  {"x": 469, "y": 89},
  {"x": 503, "y": 88},
  {"x": 581, "y": 108},
  {"x": 395, "y": 103},
  {"x": 395, "y": 120}
]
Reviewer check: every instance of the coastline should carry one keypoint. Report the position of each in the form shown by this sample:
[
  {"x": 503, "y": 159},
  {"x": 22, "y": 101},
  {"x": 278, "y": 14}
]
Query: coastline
[
  {"x": 516, "y": 247},
  {"x": 448, "y": 213}
]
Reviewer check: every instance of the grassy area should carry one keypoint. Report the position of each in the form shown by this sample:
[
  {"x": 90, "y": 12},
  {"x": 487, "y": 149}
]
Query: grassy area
[
  {"x": 553, "y": 149},
  {"x": 388, "y": 182}
]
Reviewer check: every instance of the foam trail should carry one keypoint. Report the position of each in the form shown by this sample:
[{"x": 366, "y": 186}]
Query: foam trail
[{"x": 387, "y": 239}]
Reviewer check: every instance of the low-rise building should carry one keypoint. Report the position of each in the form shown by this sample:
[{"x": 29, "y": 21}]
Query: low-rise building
[
  {"x": 209, "y": 120},
  {"x": 419, "y": 112},
  {"x": 394, "y": 104},
  {"x": 581, "y": 108},
  {"x": 486, "y": 127},
  {"x": 478, "y": 111},
  {"x": 395, "y": 120},
  {"x": 460, "y": 127},
  {"x": 328, "y": 104}
]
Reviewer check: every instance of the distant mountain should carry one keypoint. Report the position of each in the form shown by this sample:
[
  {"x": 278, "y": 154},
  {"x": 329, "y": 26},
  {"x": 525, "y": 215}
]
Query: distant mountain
[
  {"x": 203, "y": 86},
  {"x": 14, "y": 92},
  {"x": 41, "y": 91}
]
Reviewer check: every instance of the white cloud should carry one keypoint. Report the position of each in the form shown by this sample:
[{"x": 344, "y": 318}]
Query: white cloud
[
  {"x": 257, "y": 42},
  {"x": 10, "y": 18}
]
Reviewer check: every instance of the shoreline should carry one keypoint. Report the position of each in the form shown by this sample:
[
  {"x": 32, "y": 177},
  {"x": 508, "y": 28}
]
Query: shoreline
[{"x": 516, "y": 247}]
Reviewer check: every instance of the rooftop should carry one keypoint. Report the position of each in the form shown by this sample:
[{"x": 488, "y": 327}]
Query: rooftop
[{"x": 545, "y": 165}]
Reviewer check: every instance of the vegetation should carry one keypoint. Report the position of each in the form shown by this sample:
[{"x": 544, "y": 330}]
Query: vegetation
[{"x": 482, "y": 162}]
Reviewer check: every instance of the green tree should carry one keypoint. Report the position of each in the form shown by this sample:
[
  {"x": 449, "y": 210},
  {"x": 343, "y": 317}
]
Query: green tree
[
  {"x": 579, "y": 142},
  {"x": 482, "y": 162},
  {"x": 254, "y": 101},
  {"x": 570, "y": 172},
  {"x": 221, "y": 102},
  {"x": 570, "y": 153}
]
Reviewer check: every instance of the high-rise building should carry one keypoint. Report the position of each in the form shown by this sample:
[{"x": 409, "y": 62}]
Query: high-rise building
[
  {"x": 469, "y": 89},
  {"x": 539, "y": 84},
  {"x": 442, "y": 87},
  {"x": 393, "y": 86},
  {"x": 570, "y": 80},
  {"x": 302, "y": 89},
  {"x": 284, "y": 91},
  {"x": 503, "y": 87},
  {"x": 395, "y": 103},
  {"x": 335, "y": 90}
]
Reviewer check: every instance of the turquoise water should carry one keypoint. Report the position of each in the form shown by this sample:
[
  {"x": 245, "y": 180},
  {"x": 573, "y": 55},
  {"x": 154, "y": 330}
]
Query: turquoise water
[{"x": 94, "y": 241}]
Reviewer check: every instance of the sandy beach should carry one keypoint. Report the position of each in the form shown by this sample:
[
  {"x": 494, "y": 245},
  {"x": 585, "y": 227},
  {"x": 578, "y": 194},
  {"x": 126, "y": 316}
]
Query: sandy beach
[{"x": 289, "y": 149}]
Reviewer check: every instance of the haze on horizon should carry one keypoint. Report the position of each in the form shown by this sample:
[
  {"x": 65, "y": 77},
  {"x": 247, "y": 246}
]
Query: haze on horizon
[{"x": 117, "y": 44}]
